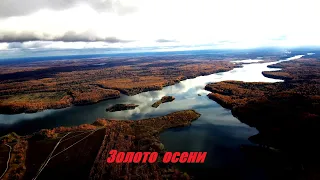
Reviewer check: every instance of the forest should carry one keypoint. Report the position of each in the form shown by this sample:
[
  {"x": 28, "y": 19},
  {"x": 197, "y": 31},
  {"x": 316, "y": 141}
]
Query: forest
[
  {"x": 86, "y": 147},
  {"x": 35, "y": 86},
  {"x": 286, "y": 113}
]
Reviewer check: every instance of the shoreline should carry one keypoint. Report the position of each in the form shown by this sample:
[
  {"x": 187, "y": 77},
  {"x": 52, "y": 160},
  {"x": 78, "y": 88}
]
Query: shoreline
[
  {"x": 293, "y": 104},
  {"x": 126, "y": 135},
  {"x": 121, "y": 91}
]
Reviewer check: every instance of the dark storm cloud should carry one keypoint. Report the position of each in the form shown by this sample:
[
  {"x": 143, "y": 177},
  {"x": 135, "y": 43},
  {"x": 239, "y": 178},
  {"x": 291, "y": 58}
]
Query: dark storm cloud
[
  {"x": 69, "y": 36},
  {"x": 9, "y": 8},
  {"x": 20, "y": 37}
]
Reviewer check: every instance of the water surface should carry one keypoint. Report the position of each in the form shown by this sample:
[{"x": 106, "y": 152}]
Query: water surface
[{"x": 216, "y": 131}]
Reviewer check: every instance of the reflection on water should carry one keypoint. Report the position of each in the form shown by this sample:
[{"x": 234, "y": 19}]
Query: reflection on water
[
  {"x": 186, "y": 93},
  {"x": 216, "y": 131},
  {"x": 248, "y": 61}
]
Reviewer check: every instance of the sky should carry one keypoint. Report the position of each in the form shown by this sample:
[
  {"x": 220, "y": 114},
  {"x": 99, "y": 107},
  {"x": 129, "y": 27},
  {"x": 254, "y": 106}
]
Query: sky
[{"x": 161, "y": 24}]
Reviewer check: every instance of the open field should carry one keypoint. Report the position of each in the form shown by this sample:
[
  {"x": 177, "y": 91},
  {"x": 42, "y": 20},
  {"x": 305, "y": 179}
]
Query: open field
[
  {"x": 80, "y": 152},
  {"x": 72, "y": 163},
  {"x": 4, "y": 156}
]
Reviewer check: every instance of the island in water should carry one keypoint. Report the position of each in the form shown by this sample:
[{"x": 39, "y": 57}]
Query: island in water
[
  {"x": 164, "y": 99},
  {"x": 121, "y": 107},
  {"x": 86, "y": 147}
]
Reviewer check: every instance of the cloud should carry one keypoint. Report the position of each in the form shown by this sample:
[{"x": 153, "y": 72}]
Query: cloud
[
  {"x": 20, "y": 37},
  {"x": 4, "y": 46},
  {"x": 9, "y": 8},
  {"x": 165, "y": 41},
  {"x": 280, "y": 38},
  {"x": 246, "y": 23},
  {"x": 70, "y": 36},
  {"x": 87, "y": 36}
]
